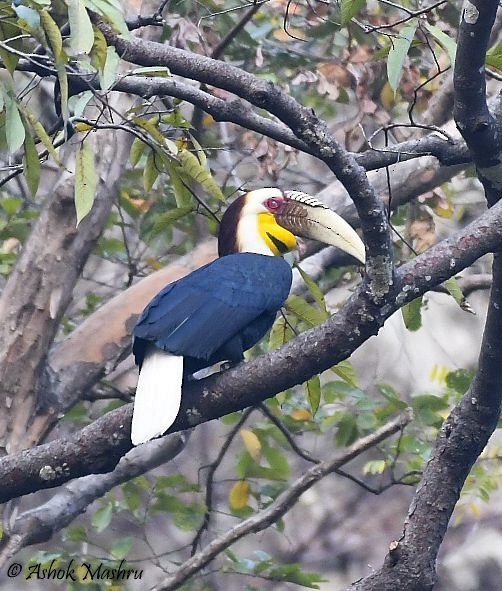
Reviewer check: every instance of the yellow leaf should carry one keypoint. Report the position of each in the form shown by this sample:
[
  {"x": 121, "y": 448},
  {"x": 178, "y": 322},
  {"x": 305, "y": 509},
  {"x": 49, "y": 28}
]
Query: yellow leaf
[
  {"x": 154, "y": 264},
  {"x": 207, "y": 120},
  {"x": 181, "y": 144},
  {"x": 387, "y": 96},
  {"x": 301, "y": 414},
  {"x": 239, "y": 495},
  {"x": 252, "y": 444},
  {"x": 81, "y": 126}
]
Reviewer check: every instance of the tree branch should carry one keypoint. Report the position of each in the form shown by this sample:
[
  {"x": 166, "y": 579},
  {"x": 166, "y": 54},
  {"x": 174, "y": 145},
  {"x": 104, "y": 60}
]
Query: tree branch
[
  {"x": 98, "y": 447},
  {"x": 235, "y": 111},
  {"x": 474, "y": 120},
  {"x": 281, "y": 505},
  {"x": 410, "y": 563},
  {"x": 304, "y": 124},
  {"x": 38, "y": 292},
  {"x": 42, "y": 522}
]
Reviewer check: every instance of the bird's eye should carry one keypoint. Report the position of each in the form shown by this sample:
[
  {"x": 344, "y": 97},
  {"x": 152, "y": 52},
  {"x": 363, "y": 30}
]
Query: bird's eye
[{"x": 272, "y": 204}]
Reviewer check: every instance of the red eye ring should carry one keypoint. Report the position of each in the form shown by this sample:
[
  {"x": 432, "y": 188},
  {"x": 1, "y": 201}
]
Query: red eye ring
[{"x": 273, "y": 204}]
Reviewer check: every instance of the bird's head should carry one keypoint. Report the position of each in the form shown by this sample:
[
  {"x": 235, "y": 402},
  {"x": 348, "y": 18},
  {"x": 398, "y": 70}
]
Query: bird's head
[{"x": 266, "y": 221}]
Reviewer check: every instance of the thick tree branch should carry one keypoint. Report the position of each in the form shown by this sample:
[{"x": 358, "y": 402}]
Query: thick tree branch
[
  {"x": 474, "y": 120},
  {"x": 99, "y": 446},
  {"x": 410, "y": 564},
  {"x": 38, "y": 292},
  {"x": 236, "y": 111},
  {"x": 304, "y": 124},
  {"x": 281, "y": 505},
  {"x": 82, "y": 358},
  {"x": 42, "y": 522}
]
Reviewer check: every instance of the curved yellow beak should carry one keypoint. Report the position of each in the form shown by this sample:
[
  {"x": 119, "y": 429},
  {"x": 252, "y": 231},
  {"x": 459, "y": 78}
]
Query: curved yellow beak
[{"x": 306, "y": 216}]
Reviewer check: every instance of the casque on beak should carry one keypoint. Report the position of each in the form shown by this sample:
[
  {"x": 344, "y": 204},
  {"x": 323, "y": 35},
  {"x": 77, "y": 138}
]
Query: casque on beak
[{"x": 306, "y": 216}]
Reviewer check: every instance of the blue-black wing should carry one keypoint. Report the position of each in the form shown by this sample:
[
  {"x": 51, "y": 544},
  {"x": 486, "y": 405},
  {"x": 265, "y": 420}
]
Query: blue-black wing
[{"x": 232, "y": 300}]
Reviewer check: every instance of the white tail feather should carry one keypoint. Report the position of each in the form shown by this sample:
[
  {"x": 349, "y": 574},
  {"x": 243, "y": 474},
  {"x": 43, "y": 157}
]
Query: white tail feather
[{"x": 158, "y": 395}]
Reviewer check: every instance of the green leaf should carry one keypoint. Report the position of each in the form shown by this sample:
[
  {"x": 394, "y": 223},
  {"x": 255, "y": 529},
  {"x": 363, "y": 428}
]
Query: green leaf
[
  {"x": 11, "y": 205},
  {"x": 151, "y": 170},
  {"x": 85, "y": 181},
  {"x": 494, "y": 56},
  {"x": 314, "y": 290},
  {"x": 429, "y": 408},
  {"x": 304, "y": 311},
  {"x": 39, "y": 129},
  {"x": 63, "y": 87},
  {"x": 53, "y": 33},
  {"x": 121, "y": 548},
  {"x": 314, "y": 393},
  {"x": 163, "y": 220},
  {"x": 181, "y": 193},
  {"x": 178, "y": 482},
  {"x": 7, "y": 31},
  {"x": 151, "y": 71},
  {"x": 280, "y": 333},
  {"x": 31, "y": 163},
  {"x": 102, "y": 517},
  {"x": 201, "y": 155},
  {"x": 292, "y": 573},
  {"x": 398, "y": 53},
  {"x": 138, "y": 148},
  {"x": 347, "y": 431},
  {"x": 346, "y": 371},
  {"x": 350, "y": 9},
  {"x": 14, "y": 128},
  {"x": 112, "y": 13},
  {"x": 446, "y": 42},
  {"x": 79, "y": 102},
  {"x": 98, "y": 50},
  {"x": 277, "y": 461},
  {"x": 152, "y": 127},
  {"x": 247, "y": 468},
  {"x": 28, "y": 18},
  {"x": 200, "y": 174},
  {"x": 453, "y": 287},
  {"x": 81, "y": 31},
  {"x": 412, "y": 314},
  {"x": 110, "y": 70},
  {"x": 76, "y": 533},
  {"x": 459, "y": 380}
]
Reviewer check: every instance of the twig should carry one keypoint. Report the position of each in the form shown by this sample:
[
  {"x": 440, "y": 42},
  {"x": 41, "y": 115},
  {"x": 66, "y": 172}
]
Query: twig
[
  {"x": 210, "y": 477},
  {"x": 235, "y": 30},
  {"x": 99, "y": 446},
  {"x": 281, "y": 504},
  {"x": 40, "y": 523},
  {"x": 410, "y": 14},
  {"x": 289, "y": 437}
]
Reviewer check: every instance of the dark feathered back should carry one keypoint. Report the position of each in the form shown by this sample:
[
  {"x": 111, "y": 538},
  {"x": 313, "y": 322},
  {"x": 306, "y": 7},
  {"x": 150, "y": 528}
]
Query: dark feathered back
[{"x": 216, "y": 312}]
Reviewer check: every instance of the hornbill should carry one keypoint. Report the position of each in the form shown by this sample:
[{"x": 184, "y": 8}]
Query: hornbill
[{"x": 219, "y": 311}]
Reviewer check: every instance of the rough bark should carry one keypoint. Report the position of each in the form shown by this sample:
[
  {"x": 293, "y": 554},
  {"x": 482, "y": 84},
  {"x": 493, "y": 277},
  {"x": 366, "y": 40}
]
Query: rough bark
[
  {"x": 38, "y": 292},
  {"x": 99, "y": 446}
]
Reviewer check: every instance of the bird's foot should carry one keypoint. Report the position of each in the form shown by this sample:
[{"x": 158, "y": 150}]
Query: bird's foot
[{"x": 226, "y": 365}]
